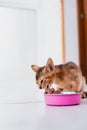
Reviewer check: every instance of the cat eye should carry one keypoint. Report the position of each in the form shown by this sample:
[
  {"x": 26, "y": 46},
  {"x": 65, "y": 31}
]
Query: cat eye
[
  {"x": 42, "y": 81},
  {"x": 36, "y": 82}
]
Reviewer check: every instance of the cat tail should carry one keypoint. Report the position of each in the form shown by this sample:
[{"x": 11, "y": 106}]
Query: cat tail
[{"x": 84, "y": 94}]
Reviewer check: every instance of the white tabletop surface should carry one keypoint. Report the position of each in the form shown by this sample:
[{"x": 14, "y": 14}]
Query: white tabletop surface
[{"x": 39, "y": 116}]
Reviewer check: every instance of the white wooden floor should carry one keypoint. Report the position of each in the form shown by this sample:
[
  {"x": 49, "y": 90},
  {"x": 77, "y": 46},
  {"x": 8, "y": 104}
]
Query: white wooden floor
[{"x": 38, "y": 116}]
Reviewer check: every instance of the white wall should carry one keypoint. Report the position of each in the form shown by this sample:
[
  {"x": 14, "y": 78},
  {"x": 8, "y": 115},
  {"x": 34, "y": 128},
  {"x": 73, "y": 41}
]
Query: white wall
[
  {"x": 71, "y": 31},
  {"x": 28, "y": 35}
]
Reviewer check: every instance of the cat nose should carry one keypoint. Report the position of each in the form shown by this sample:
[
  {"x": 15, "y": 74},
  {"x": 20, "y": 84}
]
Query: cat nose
[{"x": 40, "y": 87}]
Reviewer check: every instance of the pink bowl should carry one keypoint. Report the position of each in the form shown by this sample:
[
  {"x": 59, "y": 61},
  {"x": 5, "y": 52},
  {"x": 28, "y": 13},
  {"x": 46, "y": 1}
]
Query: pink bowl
[{"x": 62, "y": 99}]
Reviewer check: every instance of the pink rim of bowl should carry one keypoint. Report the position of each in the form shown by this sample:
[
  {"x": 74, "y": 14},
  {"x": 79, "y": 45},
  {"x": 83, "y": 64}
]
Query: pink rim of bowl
[{"x": 62, "y": 99}]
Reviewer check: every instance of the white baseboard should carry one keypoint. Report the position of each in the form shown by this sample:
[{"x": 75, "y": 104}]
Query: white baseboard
[{"x": 19, "y": 92}]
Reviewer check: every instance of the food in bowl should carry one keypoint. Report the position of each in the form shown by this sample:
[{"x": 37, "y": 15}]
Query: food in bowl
[{"x": 63, "y": 99}]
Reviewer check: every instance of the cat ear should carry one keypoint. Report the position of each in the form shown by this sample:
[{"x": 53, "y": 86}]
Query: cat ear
[
  {"x": 35, "y": 68},
  {"x": 50, "y": 65}
]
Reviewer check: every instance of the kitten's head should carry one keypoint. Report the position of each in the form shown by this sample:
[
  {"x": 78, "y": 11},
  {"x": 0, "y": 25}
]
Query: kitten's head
[{"x": 44, "y": 75}]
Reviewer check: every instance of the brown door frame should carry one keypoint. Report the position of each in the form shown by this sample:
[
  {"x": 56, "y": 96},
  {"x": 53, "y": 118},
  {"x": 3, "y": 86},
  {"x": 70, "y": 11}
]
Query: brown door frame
[
  {"x": 62, "y": 26},
  {"x": 80, "y": 32},
  {"x": 81, "y": 39}
]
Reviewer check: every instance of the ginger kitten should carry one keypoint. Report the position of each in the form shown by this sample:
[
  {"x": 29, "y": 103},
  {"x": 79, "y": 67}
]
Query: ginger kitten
[{"x": 66, "y": 77}]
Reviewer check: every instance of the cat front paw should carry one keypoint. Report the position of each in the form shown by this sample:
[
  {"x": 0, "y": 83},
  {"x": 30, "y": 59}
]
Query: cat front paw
[
  {"x": 49, "y": 90},
  {"x": 57, "y": 91},
  {"x": 52, "y": 91}
]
